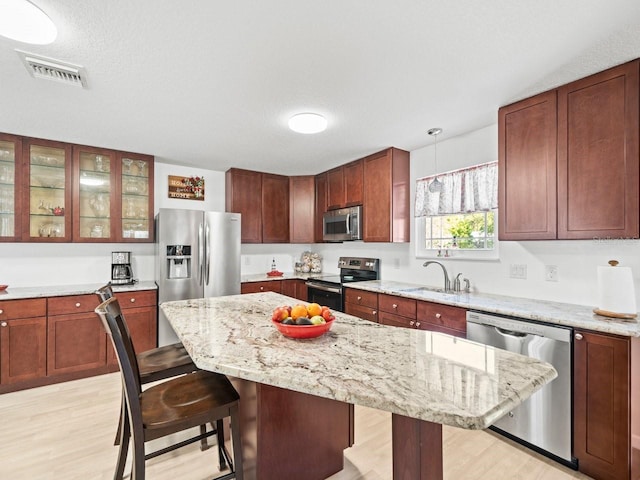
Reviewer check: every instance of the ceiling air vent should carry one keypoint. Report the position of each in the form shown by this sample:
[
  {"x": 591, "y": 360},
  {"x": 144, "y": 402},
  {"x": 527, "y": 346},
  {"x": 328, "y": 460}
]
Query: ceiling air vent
[{"x": 51, "y": 69}]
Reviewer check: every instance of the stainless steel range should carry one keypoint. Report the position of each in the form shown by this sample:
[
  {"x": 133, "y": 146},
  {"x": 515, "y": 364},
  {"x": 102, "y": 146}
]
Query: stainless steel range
[{"x": 327, "y": 290}]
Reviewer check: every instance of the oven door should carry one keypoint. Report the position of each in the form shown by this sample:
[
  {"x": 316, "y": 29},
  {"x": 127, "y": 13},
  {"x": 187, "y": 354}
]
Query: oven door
[{"x": 330, "y": 296}]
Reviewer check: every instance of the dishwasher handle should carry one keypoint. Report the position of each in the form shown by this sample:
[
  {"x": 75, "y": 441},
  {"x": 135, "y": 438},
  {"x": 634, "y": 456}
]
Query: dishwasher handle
[{"x": 510, "y": 333}]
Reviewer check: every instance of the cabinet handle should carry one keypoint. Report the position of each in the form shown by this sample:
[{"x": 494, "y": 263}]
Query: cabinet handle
[
  {"x": 374, "y": 312},
  {"x": 359, "y": 298},
  {"x": 438, "y": 315},
  {"x": 133, "y": 300},
  {"x": 417, "y": 324},
  {"x": 77, "y": 304},
  {"x": 3, "y": 324},
  {"x": 395, "y": 305},
  {"x": 578, "y": 336},
  {"x": 412, "y": 323},
  {"x": 1, "y": 311},
  {"x": 262, "y": 289}
]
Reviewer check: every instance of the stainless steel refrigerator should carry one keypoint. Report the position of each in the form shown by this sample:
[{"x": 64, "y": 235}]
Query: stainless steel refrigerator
[{"x": 198, "y": 255}]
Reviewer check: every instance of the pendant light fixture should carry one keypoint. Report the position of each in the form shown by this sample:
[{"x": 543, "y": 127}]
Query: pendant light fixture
[{"x": 436, "y": 185}]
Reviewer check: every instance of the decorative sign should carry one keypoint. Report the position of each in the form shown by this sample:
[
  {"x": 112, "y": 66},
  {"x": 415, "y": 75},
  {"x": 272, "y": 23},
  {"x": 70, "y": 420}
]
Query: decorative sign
[{"x": 190, "y": 188}]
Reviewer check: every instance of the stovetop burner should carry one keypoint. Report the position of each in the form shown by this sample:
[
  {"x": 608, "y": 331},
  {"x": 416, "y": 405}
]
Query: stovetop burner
[{"x": 352, "y": 269}]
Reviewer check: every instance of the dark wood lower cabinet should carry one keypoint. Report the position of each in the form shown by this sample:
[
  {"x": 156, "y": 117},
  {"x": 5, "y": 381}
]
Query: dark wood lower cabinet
[
  {"x": 70, "y": 342},
  {"x": 23, "y": 349},
  {"x": 602, "y": 405},
  {"x": 295, "y": 288}
]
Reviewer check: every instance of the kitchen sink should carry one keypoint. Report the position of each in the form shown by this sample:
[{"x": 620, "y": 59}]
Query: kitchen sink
[{"x": 421, "y": 290}]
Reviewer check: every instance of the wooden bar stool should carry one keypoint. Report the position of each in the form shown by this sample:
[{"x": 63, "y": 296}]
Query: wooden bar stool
[
  {"x": 172, "y": 406},
  {"x": 156, "y": 364}
]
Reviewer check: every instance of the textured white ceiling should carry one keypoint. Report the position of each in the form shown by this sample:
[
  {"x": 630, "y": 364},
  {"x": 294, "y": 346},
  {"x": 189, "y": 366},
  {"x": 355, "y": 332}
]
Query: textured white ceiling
[{"x": 212, "y": 84}]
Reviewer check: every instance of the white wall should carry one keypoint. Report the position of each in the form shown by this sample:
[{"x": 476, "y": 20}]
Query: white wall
[
  {"x": 42, "y": 264},
  {"x": 23, "y": 264}
]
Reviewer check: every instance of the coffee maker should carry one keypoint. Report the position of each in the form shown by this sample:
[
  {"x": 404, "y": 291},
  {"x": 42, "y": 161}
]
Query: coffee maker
[{"x": 121, "y": 271}]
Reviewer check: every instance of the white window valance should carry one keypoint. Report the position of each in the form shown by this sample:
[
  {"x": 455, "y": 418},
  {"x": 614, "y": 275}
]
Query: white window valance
[{"x": 473, "y": 189}]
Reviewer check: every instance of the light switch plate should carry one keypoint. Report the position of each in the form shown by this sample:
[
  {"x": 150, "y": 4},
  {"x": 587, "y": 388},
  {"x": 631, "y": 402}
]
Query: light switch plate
[
  {"x": 551, "y": 273},
  {"x": 518, "y": 270}
]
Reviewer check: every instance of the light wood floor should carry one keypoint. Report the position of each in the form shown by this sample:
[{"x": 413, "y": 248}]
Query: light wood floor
[{"x": 66, "y": 432}]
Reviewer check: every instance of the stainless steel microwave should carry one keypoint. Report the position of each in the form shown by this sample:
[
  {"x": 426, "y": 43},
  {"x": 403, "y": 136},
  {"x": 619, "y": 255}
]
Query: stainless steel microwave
[{"x": 342, "y": 225}]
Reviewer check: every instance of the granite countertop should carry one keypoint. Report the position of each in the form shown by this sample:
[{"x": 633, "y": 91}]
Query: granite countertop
[
  {"x": 62, "y": 290},
  {"x": 418, "y": 374},
  {"x": 579, "y": 316},
  {"x": 262, "y": 277}
]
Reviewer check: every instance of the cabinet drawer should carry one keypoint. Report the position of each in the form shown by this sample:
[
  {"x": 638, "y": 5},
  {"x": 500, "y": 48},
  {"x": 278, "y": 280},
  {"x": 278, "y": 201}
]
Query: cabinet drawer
[
  {"x": 387, "y": 318},
  {"x": 257, "y": 287},
  {"x": 72, "y": 304},
  {"x": 142, "y": 298},
  {"x": 361, "y": 297},
  {"x": 361, "y": 311},
  {"x": 35, "y": 307},
  {"x": 442, "y": 315},
  {"x": 405, "y": 307}
]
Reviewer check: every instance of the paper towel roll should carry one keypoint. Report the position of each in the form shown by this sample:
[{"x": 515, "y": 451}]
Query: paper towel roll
[{"x": 616, "y": 292}]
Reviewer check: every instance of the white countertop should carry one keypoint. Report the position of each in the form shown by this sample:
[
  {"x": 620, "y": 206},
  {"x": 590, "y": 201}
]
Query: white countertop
[
  {"x": 62, "y": 290},
  {"x": 418, "y": 374},
  {"x": 568, "y": 314}
]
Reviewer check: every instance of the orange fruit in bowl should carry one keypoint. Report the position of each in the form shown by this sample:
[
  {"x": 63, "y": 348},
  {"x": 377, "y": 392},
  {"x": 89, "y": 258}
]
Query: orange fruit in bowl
[
  {"x": 314, "y": 309},
  {"x": 298, "y": 311}
]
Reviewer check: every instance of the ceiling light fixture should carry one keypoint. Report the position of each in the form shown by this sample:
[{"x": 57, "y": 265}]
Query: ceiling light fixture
[
  {"x": 436, "y": 185},
  {"x": 22, "y": 21},
  {"x": 307, "y": 123}
]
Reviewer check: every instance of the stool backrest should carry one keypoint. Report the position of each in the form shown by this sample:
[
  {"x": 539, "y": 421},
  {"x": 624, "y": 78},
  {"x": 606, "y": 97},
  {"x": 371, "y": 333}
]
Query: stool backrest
[
  {"x": 116, "y": 326},
  {"x": 105, "y": 292}
]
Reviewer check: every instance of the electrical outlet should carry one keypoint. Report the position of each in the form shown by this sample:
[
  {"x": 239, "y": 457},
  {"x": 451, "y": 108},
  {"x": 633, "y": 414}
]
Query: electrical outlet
[
  {"x": 551, "y": 273},
  {"x": 518, "y": 270}
]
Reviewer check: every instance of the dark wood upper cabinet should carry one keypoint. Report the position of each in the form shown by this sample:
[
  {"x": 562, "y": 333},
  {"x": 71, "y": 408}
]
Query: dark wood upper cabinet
[
  {"x": 335, "y": 188},
  {"x": 47, "y": 195},
  {"x": 598, "y": 155},
  {"x": 243, "y": 195},
  {"x": 353, "y": 183},
  {"x": 320, "y": 205},
  {"x": 302, "y": 209},
  {"x": 601, "y": 405},
  {"x": 275, "y": 208},
  {"x": 11, "y": 188},
  {"x": 94, "y": 195},
  {"x": 386, "y": 209},
  {"x": 569, "y": 160},
  {"x": 527, "y": 168}
]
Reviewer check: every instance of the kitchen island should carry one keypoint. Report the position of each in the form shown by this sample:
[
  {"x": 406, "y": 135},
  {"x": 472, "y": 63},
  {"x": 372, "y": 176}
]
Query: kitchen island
[{"x": 424, "y": 379}]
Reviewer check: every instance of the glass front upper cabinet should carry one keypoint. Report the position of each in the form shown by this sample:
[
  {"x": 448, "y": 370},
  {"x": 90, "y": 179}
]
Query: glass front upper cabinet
[
  {"x": 49, "y": 194},
  {"x": 10, "y": 154},
  {"x": 94, "y": 197},
  {"x": 136, "y": 197}
]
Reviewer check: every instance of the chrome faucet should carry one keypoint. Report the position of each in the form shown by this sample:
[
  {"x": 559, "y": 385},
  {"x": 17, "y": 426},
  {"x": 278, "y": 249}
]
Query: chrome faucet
[{"x": 447, "y": 282}]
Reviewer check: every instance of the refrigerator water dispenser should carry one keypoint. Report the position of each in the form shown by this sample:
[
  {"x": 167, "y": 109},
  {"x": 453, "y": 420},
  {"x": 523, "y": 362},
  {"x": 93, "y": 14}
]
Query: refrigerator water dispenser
[{"x": 178, "y": 261}]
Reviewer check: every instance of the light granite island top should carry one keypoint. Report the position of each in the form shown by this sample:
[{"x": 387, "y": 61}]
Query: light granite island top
[{"x": 424, "y": 377}]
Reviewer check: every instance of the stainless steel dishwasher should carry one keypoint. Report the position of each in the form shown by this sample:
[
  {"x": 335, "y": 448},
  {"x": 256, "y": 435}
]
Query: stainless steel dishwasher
[{"x": 544, "y": 421}]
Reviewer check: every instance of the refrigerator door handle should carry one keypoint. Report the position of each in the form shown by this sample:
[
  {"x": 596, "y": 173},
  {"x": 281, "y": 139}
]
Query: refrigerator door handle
[
  {"x": 200, "y": 255},
  {"x": 207, "y": 253}
]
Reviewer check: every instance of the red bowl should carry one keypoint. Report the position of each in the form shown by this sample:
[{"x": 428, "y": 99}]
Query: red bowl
[{"x": 303, "y": 331}]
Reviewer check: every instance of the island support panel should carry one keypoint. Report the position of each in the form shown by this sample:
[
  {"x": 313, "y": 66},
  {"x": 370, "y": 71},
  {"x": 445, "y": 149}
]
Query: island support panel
[
  {"x": 417, "y": 449},
  {"x": 287, "y": 434}
]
